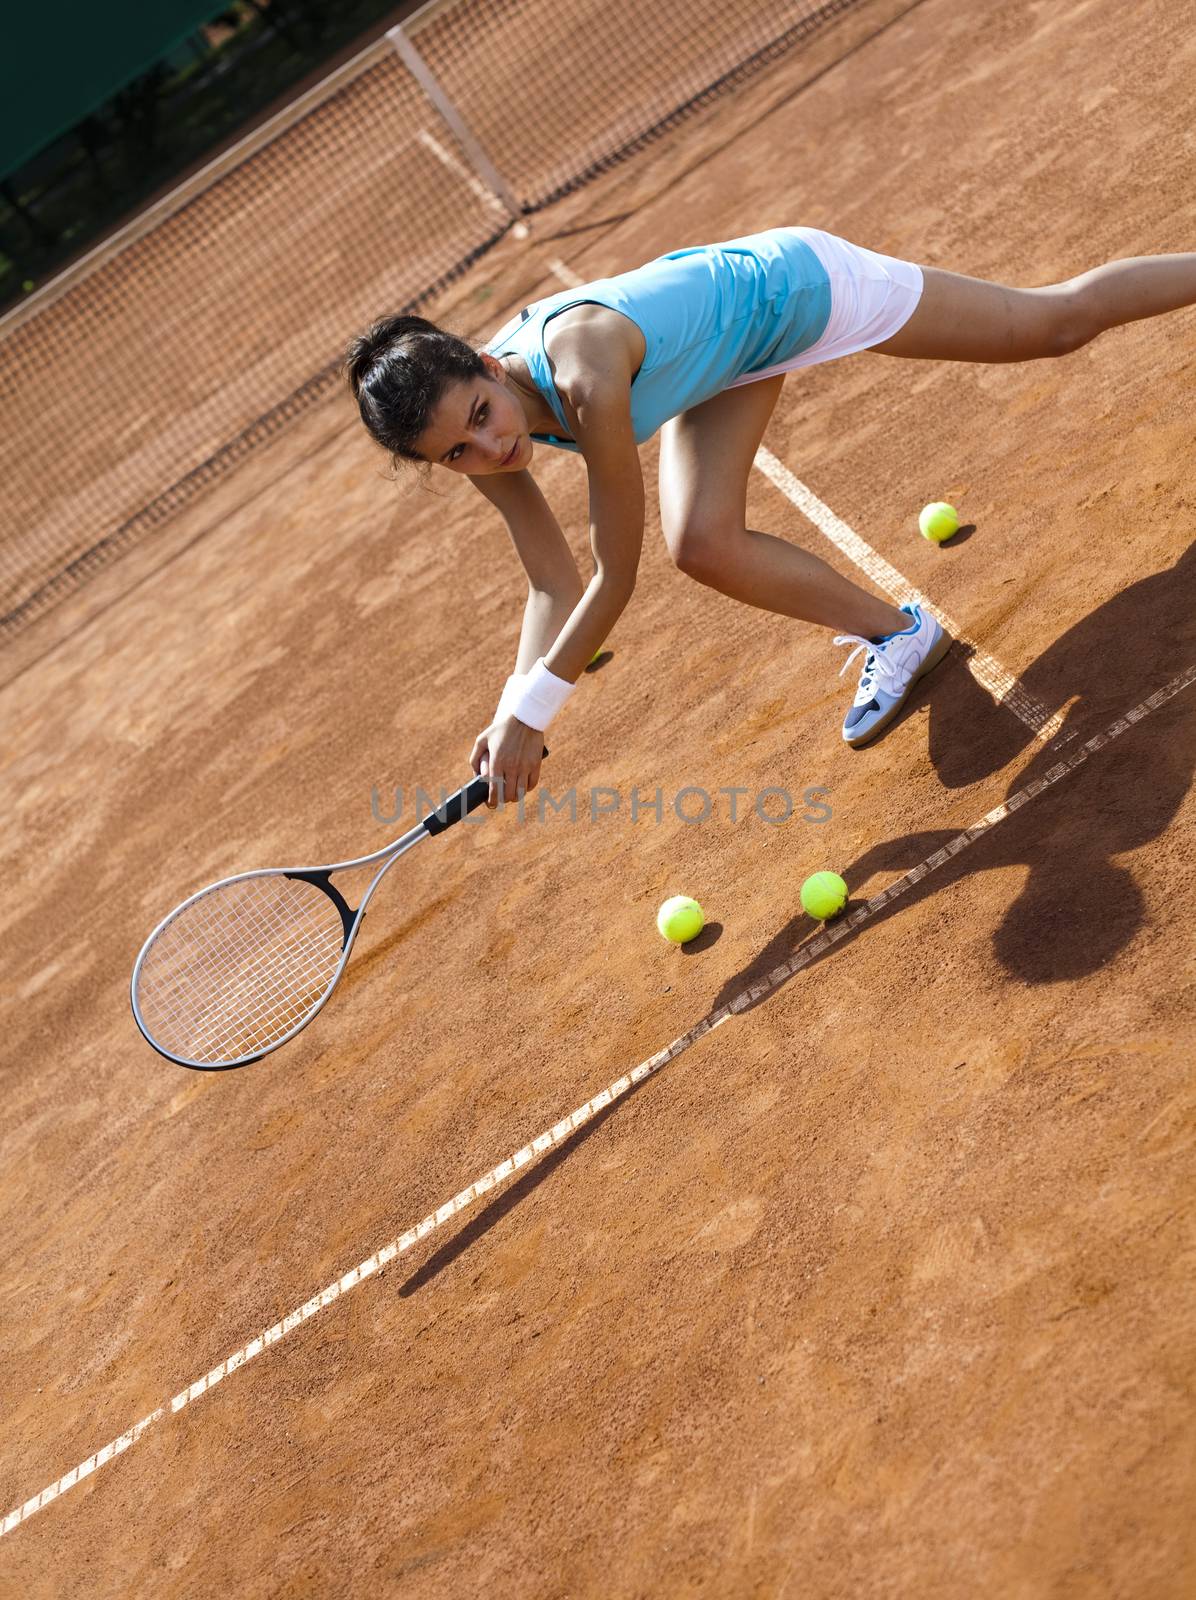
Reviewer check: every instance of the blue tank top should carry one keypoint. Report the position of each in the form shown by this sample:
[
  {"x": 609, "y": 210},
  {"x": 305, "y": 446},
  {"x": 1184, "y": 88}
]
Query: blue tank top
[{"x": 708, "y": 315}]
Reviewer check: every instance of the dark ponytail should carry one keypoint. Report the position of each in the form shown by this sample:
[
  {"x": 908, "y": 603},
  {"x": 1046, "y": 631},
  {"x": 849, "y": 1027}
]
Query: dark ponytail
[{"x": 398, "y": 370}]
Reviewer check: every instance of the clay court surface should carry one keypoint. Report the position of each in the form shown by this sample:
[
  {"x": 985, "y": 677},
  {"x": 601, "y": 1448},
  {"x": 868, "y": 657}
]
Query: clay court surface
[{"x": 884, "y": 1287}]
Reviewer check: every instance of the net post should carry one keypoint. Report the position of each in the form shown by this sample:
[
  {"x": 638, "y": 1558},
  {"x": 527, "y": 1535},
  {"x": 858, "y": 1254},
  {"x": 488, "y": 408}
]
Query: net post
[{"x": 499, "y": 189}]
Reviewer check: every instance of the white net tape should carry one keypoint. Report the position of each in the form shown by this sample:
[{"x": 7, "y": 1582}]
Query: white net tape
[{"x": 143, "y": 374}]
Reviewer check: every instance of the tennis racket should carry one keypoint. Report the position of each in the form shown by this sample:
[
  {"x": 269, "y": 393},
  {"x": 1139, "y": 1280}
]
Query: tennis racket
[{"x": 241, "y": 967}]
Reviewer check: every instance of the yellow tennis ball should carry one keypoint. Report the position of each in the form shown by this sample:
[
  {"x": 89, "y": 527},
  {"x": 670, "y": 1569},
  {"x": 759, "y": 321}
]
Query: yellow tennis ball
[
  {"x": 824, "y": 895},
  {"x": 680, "y": 919},
  {"x": 938, "y": 521},
  {"x": 596, "y": 654}
]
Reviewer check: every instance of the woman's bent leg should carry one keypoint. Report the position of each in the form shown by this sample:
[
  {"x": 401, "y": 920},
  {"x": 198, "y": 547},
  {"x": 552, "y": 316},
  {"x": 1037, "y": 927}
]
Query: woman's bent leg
[{"x": 706, "y": 456}]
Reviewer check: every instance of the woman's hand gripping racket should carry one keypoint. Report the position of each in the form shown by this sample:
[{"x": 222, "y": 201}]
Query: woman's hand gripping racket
[{"x": 242, "y": 966}]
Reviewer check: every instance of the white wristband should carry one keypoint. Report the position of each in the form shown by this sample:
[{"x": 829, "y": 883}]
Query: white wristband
[
  {"x": 510, "y": 692},
  {"x": 539, "y": 697}
]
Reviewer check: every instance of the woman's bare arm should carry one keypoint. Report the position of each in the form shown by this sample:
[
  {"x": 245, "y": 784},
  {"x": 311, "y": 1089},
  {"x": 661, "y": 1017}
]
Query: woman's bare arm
[
  {"x": 554, "y": 584},
  {"x": 601, "y": 422},
  {"x": 596, "y": 395},
  {"x": 594, "y": 354},
  {"x": 593, "y": 374}
]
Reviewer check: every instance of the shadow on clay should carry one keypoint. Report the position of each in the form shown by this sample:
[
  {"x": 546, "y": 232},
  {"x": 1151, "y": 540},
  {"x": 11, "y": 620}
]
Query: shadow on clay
[
  {"x": 710, "y": 935},
  {"x": 1078, "y": 906},
  {"x": 510, "y": 1197},
  {"x": 961, "y": 536}
]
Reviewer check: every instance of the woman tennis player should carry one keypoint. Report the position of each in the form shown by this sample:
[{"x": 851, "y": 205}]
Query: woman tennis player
[{"x": 696, "y": 344}]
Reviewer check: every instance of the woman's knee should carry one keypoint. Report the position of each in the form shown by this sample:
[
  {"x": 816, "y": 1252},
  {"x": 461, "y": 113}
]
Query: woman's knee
[{"x": 697, "y": 545}]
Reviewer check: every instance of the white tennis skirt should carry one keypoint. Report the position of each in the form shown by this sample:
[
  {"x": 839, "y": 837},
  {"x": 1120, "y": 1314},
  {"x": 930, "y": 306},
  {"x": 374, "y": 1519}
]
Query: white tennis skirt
[{"x": 872, "y": 296}]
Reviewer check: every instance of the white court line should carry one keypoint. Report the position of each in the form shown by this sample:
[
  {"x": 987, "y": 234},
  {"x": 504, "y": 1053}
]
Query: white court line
[
  {"x": 605, "y": 1097},
  {"x": 566, "y": 274},
  {"x": 475, "y": 184},
  {"x": 1005, "y": 689},
  {"x": 988, "y": 672}
]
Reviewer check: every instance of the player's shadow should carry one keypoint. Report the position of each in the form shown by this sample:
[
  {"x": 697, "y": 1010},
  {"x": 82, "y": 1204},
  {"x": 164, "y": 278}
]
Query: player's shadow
[
  {"x": 1108, "y": 661},
  {"x": 1077, "y": 905}
]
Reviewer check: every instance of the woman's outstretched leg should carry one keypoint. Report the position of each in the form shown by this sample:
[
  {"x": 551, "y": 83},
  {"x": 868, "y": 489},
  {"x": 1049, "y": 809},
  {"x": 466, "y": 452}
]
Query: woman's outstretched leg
[{"x": 968, "y": 319}]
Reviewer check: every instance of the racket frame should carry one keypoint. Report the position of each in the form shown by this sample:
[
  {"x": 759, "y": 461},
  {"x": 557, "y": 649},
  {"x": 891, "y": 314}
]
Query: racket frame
[{"x": 458, "y": 805}]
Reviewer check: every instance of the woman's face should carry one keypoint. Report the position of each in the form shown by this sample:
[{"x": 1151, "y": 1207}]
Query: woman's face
[{"x": 478, "y": 427}]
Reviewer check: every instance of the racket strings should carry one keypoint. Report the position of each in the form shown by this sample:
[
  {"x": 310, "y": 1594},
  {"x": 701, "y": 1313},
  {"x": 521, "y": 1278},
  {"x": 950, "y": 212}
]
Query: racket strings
[{"x": 233, "y": 972}]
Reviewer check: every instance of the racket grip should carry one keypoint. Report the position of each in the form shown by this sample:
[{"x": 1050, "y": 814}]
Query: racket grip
[{"x": 468, "y": 798}]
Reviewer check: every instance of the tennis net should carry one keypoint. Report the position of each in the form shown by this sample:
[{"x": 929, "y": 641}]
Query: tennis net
[{"x": 146, "y": 372}]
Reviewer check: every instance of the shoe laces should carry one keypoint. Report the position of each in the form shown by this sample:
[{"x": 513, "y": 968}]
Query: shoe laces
[{"x": 876, "y": 664}]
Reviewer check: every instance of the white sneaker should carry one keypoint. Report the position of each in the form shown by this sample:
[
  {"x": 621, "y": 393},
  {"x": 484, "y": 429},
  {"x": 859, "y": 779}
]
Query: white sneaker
[{"x": 891, "y": 668}]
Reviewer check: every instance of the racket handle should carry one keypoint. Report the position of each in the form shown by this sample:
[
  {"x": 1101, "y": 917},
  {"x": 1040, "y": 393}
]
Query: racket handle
[{"x": 468, "y": 798}]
